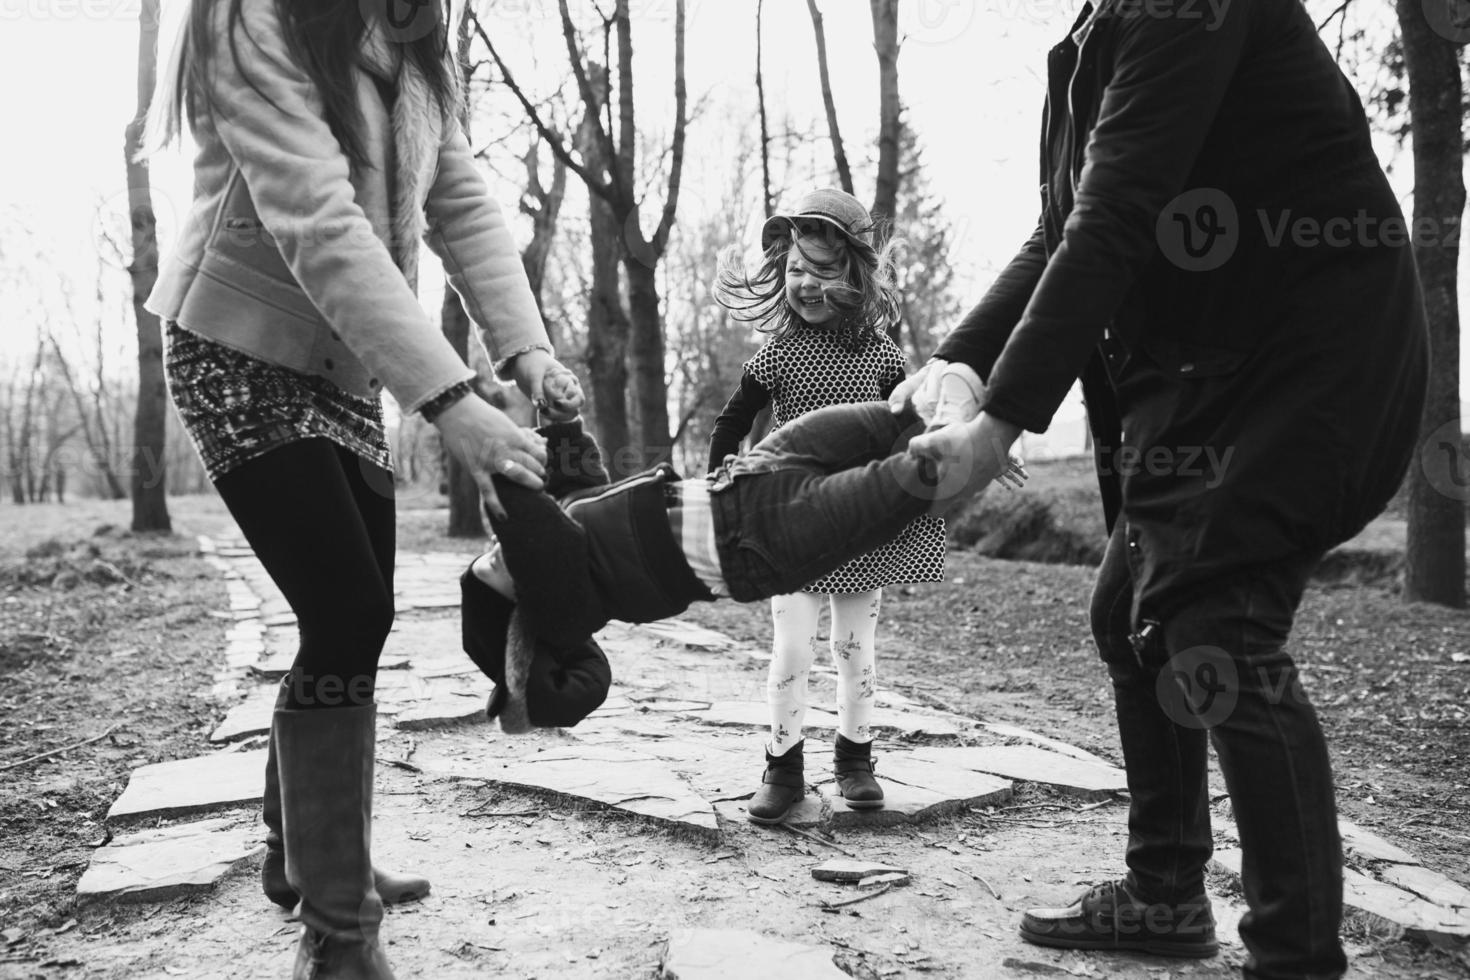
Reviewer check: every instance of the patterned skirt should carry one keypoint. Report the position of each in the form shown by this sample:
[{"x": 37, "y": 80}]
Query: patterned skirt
[{"x": 236, "y": 407}]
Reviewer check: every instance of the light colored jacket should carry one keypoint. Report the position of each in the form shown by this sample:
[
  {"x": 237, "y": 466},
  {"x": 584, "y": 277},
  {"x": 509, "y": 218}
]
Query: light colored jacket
[{"x": 285, "y": 254}]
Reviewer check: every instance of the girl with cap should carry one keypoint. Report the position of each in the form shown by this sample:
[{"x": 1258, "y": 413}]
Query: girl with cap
[{"x": 824, "y": 292}]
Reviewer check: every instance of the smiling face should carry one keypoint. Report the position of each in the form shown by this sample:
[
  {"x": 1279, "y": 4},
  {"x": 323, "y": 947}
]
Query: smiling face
[{"x": 812, "y": 265}]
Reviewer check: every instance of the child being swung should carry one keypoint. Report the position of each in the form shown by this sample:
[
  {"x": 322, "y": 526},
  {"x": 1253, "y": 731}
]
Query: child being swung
[{"x": 825, "y": 294}]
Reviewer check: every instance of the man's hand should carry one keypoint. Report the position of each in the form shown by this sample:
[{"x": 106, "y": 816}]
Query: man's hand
[
  {"x": 922, "y": 387},
  {"x": 969, "y": 457}
]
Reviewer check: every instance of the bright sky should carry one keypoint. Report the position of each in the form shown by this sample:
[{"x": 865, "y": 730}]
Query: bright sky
[{"x": 969, "y": 74}]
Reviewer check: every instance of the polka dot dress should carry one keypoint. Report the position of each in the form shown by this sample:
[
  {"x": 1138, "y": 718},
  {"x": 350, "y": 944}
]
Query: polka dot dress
[{"x": 809, "y": 369}]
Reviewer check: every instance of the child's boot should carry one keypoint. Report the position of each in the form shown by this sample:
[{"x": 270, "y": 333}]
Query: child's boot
[
  {"x": 852, "y": 764},
  {"x": 782, "y": 786}
]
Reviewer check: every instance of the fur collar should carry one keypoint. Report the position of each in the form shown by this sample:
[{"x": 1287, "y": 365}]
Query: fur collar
[{"x": 418, "y": 127}]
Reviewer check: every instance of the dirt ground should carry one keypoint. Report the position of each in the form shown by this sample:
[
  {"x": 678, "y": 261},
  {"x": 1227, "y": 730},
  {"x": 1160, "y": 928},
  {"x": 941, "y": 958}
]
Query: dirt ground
[{"x": 107, "y": 634}]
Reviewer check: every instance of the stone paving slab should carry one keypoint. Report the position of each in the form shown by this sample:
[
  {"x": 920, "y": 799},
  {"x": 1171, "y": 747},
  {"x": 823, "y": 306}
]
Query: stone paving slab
[
  {"x": 1055, "y": 745},
  {"x": 757, "y": 714},
  {"x": 192, "y": 784},
  {"x": 250, "y": 717},
  {"x": 738, "y": 954},
  {"x": 1368, "y": 846},
  {"x": 159, "y": 865},
  {"x": 1031, "y": 764},
  {"x": 450, "y": 708},
  {"x": 1395, "y": 909},
  {"x": 623, "y": 779}
]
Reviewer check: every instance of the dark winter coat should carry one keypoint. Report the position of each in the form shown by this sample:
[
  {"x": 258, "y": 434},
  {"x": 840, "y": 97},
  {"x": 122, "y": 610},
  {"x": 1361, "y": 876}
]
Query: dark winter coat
[{"x": 1222, "y": 261}]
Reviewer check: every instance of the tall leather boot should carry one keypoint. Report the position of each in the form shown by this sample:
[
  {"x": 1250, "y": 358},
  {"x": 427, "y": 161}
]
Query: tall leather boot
[
  {"x": 325, "y": 760},
  {"x": 392, "y": 888}
]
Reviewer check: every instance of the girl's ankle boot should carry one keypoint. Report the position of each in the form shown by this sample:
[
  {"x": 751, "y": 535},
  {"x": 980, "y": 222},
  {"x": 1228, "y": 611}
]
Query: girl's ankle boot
[
  {"x": 852, "y": 764},
  {"x": 782, "y": 786}
]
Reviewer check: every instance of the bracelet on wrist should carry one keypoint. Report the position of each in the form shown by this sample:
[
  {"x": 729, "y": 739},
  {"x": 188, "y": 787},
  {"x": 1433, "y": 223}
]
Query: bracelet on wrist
[{"x": 435, "y": 406}]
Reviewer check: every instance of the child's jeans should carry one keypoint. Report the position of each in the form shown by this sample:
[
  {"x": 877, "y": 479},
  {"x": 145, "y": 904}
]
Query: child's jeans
[{"x": 830, "y": 485}]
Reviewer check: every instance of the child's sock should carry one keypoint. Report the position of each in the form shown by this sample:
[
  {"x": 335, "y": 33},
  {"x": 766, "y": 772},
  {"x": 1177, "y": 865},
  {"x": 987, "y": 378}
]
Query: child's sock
[{"x": 960, "y": 390}]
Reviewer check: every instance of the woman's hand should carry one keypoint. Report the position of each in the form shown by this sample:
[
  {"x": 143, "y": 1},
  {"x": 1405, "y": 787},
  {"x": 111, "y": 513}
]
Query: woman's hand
[
  {"x": 549, "y": 384},
  {"x": 488, "y": 442},
  {"x": 970, "y": 456}
]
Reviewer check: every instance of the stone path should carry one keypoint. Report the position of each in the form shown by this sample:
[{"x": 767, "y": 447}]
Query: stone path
[{"x": 676, "y": 746}]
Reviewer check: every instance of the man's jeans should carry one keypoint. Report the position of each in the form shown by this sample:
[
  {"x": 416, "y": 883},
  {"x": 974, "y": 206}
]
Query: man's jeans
[
  {"x": 816, "y": 493},
  {"x": 1217, "y": 662}
]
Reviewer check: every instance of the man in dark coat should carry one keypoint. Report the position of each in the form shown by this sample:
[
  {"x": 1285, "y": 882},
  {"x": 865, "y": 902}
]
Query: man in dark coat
[{"x": 1223, "y": 263}]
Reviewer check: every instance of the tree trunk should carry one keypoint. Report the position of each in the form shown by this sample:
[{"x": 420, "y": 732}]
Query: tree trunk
[
  {"x": 1434, "y": 567},
  {"x": 885, "y": 43},
  {"x": 767, "y": 205},
  {"x": 646, "y": 362},
  {"x": 839, "y": 153},
  {"x": 465, "y": 520},
  {"x": 543, "y": 207},
  {"x": 607, "y": 323},
  {"x": 149, "y": 484}
]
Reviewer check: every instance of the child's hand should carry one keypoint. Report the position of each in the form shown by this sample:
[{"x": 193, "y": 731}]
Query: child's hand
[
  {"x": 561, "y": 393},
  {"x": 1014, "y": 475}
]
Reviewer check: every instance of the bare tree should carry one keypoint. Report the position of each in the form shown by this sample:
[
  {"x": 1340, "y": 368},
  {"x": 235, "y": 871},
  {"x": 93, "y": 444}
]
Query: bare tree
[
  {"x": 614, "y": 179},
  {"x": 543, "y": 206},
  {"x": 150, "y": 505},
  {"x": 465, "y": 520},
  {"x": 1435, "y": 561},
  {"x": 839, "y": 153},
  {"x": 608, "y": 325},
  {"x": 767, "y": 204},
  {"x": 885, "y": 43}
]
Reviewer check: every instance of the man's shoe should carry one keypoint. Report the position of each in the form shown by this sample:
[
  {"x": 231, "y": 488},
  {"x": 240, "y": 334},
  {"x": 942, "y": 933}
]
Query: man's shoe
[
  {"x": 1108, "y": 916},
  {"x": 783, "y": 784}
]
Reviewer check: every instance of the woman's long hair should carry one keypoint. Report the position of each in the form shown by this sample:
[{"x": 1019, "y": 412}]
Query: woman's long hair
[
  {"x": 863, "y": 292},
  {"x": 325, "y": 36}
]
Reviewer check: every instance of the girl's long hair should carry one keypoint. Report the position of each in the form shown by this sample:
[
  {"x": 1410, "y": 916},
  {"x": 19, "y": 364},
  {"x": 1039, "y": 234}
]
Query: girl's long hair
[
  {"x": 324, "y": 35},
  {"x": 863, "y": 292}
]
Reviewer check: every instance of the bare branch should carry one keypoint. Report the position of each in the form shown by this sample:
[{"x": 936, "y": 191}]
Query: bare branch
[
  {"x": 676, "y": 163},
  {"x": 839, "y": 154},
  {"x": 548, "y": 135}
]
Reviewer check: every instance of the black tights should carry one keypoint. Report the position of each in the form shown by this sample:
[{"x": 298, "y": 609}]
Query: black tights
[{"x": 321, "y": 521}]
